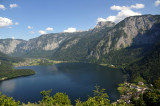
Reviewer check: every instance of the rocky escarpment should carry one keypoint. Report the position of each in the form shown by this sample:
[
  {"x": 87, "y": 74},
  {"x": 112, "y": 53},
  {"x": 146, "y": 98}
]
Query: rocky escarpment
[
  {"x": 95, "y": 43},
  {"x": 9, "y": 46},
  {"x": 103, "y": 24},
  {"x": 136, "y": 30},
  {"x": 47, "y": 42}
]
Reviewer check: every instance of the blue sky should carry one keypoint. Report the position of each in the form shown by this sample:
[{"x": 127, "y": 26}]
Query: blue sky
[{"x": 26, "y": 19}]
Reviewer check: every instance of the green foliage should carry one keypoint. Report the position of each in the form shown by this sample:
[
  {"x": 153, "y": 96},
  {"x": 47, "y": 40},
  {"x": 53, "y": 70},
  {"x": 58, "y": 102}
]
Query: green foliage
[
  {"x": 46, "y": 93},
  {"x": 124, "y": 56},
  {"x": 87, "y": 42},
  {"x": 6, "y": 70},
  {"x": 6, "y": 58},
  {"x": 8, "y": 101},
  {"x": 138, "y": 78},
  {"x": 59, "y": 99},
  {"x": 99, "y": 99},
  {"x": 152, "y": 98},
  {"x": 149, "y": 98},
  {"x": 138, "y": 101},
  {"x": 148, "y": 68},
  {"x": 157, "y": 83}
]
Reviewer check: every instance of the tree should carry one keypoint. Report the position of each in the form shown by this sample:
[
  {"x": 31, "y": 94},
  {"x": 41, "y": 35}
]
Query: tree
[
  {"x": 157, "y": 83},
  {"x": 8, "y": 101},
  {"x": 61, "y": 99},
  {"x": 99, "y": 99}
]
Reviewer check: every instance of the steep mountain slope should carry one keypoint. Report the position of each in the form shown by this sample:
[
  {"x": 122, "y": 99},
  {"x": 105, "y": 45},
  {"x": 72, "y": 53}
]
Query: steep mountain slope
[
  {"x": 133, "y": 34},
  {"x": 122, "y": 43},
  {"x": 147, "y": 68},
  {"x": 47, "y": 44},
  {"x": 43, "y": 45},
  {"x": 9, "y": 46},
  {"x": 78, "y": 47},
  {"x": 136, "y": 30},
  {"x": 39, "y": 46}
]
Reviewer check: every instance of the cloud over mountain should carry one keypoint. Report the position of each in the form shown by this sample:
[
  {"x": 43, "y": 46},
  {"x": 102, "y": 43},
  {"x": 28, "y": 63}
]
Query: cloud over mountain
[
  {"x": 123, "y": 12},
  {"x": 71, "y": 29},
  {"x": 42, "y": 32}
]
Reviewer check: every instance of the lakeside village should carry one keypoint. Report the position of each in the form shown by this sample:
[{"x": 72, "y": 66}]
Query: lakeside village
[
  {"x": 44, "y": 61},
  {"x": 129, "y": 90},
  {"x": 39, "y": 61}
]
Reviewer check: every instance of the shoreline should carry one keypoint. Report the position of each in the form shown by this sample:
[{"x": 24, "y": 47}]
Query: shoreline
[{"x": 6, "y": 78}]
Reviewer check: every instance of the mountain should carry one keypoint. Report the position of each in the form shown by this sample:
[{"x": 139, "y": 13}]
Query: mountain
[
  {"x": 46, "y": 44},
  {"x": 8, "y": 46},
  {"x": 148, "y": 68},
  {"x": 43, "y": 44},
  {"x": 121, "y": 43},
  {"x": 133, "y": 32},
  {"x": 79, "y": 47},
  {"x": 132, "y": 43}
]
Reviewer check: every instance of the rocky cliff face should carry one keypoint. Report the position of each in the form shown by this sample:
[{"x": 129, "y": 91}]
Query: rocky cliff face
[
  {"x": 136, "y": 30},
  {"x": 95, "y": 43},
  {"x": 103, "y": 24},
  {"x": 47, "y": 42},
  {"x": 9, "y": 46}
]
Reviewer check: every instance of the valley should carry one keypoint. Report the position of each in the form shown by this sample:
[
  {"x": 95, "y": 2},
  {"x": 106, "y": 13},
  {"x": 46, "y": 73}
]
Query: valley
[
  {"x": 131, "y": 46},
  {"x": 36, "y": 62}
]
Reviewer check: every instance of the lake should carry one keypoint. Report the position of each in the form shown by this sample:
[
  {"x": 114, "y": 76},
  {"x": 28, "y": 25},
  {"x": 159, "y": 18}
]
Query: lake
[{"x": 77, "y": 80}]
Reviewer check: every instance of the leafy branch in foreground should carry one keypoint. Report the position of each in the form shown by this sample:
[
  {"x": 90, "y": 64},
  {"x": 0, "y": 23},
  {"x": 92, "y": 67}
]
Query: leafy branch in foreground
[{"x": 100, "y": 98}]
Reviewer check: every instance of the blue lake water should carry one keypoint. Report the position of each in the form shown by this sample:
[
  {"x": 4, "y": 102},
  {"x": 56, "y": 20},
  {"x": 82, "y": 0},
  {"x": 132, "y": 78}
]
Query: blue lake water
[{"x": 77, "y": 80}]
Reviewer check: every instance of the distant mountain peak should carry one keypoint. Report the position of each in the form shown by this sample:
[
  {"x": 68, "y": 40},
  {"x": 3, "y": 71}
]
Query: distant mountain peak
[{"x": 104, "y": 23}]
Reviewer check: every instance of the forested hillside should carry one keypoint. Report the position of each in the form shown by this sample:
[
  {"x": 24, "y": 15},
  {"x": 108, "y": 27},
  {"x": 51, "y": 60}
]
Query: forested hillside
[
  {"x": 7, "y": 71},
  {"x": 148, "y": 68}
]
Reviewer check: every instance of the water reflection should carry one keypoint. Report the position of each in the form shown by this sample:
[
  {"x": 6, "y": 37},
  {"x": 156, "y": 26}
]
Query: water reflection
[{"x": 8, "y": 86}]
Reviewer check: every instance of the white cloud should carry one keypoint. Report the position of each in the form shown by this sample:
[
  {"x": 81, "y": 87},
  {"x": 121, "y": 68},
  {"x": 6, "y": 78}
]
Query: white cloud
[
  {"x": 42, "y": 32},
  {"x": 101, "y": 20},
  {"x": 119, "y": 8},
  {"x": 13, "y": 37},
  {"x": 137, "y": 6},
  {"x": 122, "y": 15},
  {"x": 157, "y": 3},
  {"x": 70, "y": 30},
  {"x": 124, "y": 11},
  {"x": 30, "y": 27},
  {"x": 2, "y": 7},
  {"x": 49, "y": 29},
  {"x": 13, "y": 5},
  {"x": 5, "y": 22},
  {"x": 16, "y": 23}
]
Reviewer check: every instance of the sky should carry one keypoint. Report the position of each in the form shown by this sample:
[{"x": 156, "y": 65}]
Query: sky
[{"x": 26, "y": 19}]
